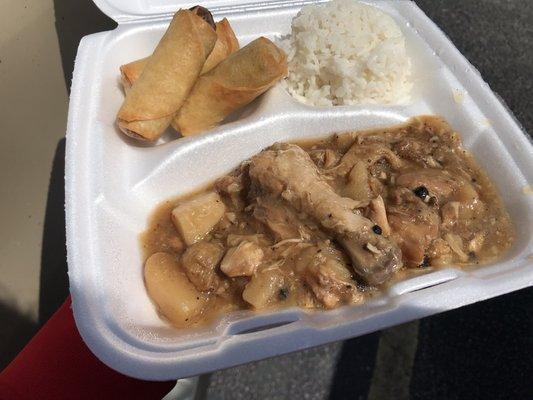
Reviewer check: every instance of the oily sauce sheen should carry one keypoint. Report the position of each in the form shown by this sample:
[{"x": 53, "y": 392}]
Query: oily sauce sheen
[{"x": 322, "y": 223}]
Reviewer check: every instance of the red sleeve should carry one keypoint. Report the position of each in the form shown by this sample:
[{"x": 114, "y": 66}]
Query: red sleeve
[{"x": 57, "y": 365}]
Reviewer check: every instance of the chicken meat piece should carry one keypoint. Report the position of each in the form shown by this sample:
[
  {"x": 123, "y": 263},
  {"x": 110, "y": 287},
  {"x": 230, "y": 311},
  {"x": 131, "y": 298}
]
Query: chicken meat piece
[
  {"x": 200, "y": 262},
  {"x": 416, "y": 150},
  {"x": 444, "y": 187},
  {"x": 450, "y": 214},
  {"x": 232, "y": 188},
  {"x": 439, "y": 253},
  {"x": 358, "y": 184},
  {"x": 325, "y": 158},
  {"x": 282, "y": 220},
  {"x": 368, "y": 153},
  {"x": 476, "y": 243},
  {"x": 414, "y": 224},
  {"x": 287, "y": 171},
  {"x": 468, "y": 198},
  {"x": 441, "y": 184},
  {"x": 327, "y": 276},
  {"x": 457, "y": 246},
  {"x": 378, "y": 214},
  {"x": 242, "y": 260},
  {"x": 234, "y": 240}
]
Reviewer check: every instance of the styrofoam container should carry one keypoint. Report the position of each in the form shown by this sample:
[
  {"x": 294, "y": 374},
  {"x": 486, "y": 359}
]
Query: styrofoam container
[{"x": 112, "y": 185}]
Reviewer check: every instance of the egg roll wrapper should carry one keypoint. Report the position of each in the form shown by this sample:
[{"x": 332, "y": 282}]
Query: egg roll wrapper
[
  {"x": 225, "y": 45},
  {"x": 130, "y": 72},
  {"x": 167, "y": 77},
  {"x": 234, "y": 83}
]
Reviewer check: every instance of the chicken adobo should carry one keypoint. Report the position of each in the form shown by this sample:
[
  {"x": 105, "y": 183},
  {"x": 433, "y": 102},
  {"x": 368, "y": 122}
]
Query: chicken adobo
[{"x": 324, "y": 223}]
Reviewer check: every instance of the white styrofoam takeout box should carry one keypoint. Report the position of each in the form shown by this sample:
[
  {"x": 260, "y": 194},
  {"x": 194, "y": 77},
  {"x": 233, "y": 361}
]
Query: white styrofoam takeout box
[{"x": 112, "y": 185}]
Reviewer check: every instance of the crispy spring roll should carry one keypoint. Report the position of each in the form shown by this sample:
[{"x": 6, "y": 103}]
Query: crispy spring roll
[
  {"x": 232, "y": 84},
  {"x": 167, "y": 77},
  {"x": 130, "y": 72},
  {"x": 225, "y": 45}
]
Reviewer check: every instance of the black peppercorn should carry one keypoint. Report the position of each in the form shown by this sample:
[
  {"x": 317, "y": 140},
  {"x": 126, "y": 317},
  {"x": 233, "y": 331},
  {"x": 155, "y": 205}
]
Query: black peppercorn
[
  {"x": 421, "y": 192},
  {"x": 377, "y": 229},
  {"x": 283, "y": 293},
  {"x": 425, "y": 262}
]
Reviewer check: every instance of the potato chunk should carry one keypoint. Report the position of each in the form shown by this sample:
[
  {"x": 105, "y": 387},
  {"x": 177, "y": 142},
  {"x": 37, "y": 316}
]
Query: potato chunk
[
  {"x": 195, "y": 218},
  {"x": 170, "y": 289},
  {"x": 263, "y": 288}
]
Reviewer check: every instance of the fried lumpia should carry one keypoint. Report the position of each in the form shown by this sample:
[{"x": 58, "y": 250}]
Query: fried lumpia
[
  {"x": 225, "y": 45},
  {"x": 232, "y": 84},
  {"x": 168, "y": 77}
]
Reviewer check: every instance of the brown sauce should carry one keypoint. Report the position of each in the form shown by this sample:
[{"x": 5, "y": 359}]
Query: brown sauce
[{"x": 406, "y": 198}]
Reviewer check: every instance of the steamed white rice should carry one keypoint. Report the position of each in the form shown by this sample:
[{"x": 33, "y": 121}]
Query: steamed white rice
[{"x": 345, "y": 53}]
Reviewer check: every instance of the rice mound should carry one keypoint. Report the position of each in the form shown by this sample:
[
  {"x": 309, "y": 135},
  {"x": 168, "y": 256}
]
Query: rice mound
[{"x": 346, "y": 53}]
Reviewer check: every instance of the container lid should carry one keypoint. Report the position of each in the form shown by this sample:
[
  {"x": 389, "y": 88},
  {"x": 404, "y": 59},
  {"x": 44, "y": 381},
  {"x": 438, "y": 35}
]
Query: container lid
[{"x": 133, "y": 10}]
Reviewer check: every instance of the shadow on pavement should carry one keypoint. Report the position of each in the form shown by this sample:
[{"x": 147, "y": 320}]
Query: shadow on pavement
[
  {"x": 355, "y": 367},
  {"x": 482, "y": 351},
  {"x": 17, "y": 329},
  {"x": 74, "y": 20},
  {"x": 54, "y": 278}
]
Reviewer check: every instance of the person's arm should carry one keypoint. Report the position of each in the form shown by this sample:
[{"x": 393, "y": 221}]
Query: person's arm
[{"x": 56, "y": 364}]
